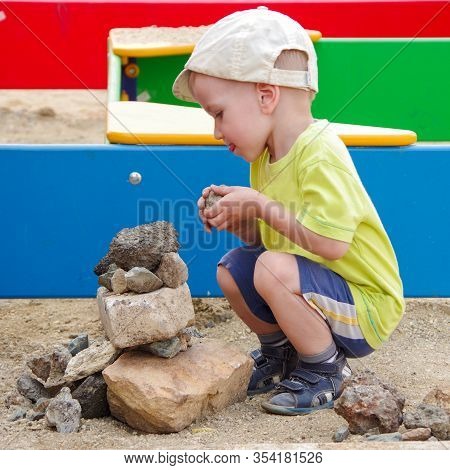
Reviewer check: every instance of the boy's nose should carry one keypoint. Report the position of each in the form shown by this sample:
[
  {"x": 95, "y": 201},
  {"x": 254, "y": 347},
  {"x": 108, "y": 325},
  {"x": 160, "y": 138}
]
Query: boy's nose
[{"x": 217, "y": 134}]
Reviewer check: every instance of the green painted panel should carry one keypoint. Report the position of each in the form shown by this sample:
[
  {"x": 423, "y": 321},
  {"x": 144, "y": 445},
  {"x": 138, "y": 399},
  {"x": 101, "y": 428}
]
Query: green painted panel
[
  {"x": 389, "y": 83},
  {"x": 157, "y": 75}
]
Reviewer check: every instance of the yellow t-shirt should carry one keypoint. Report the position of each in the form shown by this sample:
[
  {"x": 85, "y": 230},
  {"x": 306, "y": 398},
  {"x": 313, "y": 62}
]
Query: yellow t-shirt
[{"x": 317, "y": 181}]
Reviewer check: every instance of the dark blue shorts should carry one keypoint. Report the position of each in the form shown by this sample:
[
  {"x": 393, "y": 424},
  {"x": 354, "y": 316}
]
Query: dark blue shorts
[{"x": 327, "y": 292}]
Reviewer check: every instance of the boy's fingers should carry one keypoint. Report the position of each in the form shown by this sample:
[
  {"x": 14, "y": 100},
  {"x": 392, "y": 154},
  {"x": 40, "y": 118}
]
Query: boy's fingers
[
  {"x": 214, "y": 210},
  {"x": 201, "y": 203},
  {"x": 223, "y": 189},
  {"x": 216, "y": 221}
]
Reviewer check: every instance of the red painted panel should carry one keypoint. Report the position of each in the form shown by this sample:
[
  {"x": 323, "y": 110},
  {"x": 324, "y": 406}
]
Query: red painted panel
[{"x": 55, "y": 44}]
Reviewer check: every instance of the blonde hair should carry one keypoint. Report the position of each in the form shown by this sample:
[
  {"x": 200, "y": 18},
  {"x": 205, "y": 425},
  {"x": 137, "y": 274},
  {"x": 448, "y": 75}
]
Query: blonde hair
[{"x": 292, "y": 59}]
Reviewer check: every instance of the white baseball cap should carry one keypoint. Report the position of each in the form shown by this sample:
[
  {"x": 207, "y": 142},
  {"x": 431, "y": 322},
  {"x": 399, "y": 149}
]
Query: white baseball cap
[{"x": 244, "y": 46}]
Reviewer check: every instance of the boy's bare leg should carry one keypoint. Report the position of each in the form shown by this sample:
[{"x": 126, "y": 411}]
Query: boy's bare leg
[
  {"x": 278, "y": 282},
  {"x": 238, "y": 304}
]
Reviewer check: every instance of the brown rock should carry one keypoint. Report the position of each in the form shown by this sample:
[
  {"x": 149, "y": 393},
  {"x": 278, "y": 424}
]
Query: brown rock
[
  {"x": 49, "y": 369},
  {"x": 119, "y": 281},
  {"x": 14, "y": 398},
  {"x": 418, "y": 434},
  {"x": 439, "y": 397},
  {"x": 368, "y": 403},
  {"x": 159, "y": 395}
]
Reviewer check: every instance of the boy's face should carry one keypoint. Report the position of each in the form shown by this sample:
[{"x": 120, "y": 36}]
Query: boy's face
[{"x": 238, "y": 119}]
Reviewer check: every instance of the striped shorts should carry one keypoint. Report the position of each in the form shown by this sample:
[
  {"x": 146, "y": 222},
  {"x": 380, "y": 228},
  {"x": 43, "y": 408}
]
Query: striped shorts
[{"x": 323, "y": 289}]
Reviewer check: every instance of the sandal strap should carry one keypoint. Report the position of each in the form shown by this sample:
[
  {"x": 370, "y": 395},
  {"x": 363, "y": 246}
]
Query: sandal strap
[
  {"x": 323, "y": 368},
  {"x": 302, "y": 374},
  {"x": 260, "y": 355}
]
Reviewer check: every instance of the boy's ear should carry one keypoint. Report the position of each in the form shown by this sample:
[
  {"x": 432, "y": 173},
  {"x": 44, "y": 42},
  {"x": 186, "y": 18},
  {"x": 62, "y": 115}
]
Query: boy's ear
[{"x": 268, "y": 97}]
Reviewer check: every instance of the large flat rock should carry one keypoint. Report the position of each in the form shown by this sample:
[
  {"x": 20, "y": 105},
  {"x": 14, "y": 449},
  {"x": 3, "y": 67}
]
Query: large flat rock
[{"x": 160, "y": 395}]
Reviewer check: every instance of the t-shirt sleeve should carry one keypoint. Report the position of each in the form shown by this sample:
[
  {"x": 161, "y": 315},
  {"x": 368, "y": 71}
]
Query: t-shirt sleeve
[{"x": 332, "y": 203}]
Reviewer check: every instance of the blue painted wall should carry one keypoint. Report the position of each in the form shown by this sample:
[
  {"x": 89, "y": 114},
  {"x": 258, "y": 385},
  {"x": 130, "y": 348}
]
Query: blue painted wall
[{"x": 61, "y": 205}]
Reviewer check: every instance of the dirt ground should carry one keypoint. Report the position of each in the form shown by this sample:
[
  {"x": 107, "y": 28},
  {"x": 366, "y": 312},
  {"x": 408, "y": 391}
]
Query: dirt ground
[{"x": 415, "y": 360}]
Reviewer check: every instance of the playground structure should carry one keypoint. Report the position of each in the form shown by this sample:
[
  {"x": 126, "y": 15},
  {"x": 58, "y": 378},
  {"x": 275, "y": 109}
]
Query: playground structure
[
  {"x": 353, "y": 88},
  {"x": 69, "y": 200}
]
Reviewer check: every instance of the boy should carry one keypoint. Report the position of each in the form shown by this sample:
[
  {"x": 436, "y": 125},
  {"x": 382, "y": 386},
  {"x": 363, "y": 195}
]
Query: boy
[{"x": 318, "y": 280}]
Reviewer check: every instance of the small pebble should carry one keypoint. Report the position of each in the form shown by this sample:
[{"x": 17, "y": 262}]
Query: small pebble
[
  {"x": 389, "y": 437},
  {"x": 341, "y": 434}
]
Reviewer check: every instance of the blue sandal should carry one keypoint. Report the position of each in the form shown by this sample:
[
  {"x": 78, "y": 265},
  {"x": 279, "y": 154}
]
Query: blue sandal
[
  {"x": 272, "y": 365},
  {"x": 310, "y": 387}
]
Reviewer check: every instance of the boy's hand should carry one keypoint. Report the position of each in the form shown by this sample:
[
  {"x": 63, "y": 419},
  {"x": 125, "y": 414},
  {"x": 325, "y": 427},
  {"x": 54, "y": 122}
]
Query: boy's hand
[{"x": 238, "y": 205}]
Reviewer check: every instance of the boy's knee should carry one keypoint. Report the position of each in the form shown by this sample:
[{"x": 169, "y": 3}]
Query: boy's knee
[
  {"x": 225, "y": 279},
  {"x": 275, "y": 272}
]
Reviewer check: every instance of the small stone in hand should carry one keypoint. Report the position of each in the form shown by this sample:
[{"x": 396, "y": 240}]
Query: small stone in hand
[{"x": 212, "y": 199}]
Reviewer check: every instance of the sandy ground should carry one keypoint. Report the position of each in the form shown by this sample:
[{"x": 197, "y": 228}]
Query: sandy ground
[
  {"x": 415, "y": 360},
  {"x": 52, "y": 116}
]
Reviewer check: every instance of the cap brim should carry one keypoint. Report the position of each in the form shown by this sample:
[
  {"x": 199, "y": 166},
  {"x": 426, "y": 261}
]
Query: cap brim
[{"x": 180, "y": 87}]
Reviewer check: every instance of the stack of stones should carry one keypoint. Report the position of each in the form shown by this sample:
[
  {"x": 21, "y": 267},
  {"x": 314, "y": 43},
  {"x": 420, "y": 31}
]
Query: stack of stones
[
  {"x": 146, "y": 309},
  {"x": 145, "y": 298},
  {"x": 137, "y": 373},
  {"x": 64, "y": 385}
]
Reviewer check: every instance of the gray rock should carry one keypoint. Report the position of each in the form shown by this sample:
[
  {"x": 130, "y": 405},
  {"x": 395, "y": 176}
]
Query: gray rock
[
  {"x": 368, "y": 403},
  {"x": 141, "y": 280},
  {"x": 192, "y": 332},
  {"x": 119, "y": 281},
  {"x": 341, "y": 434},
  {"x": 172, "y": 270},
  {"x": 91, "y": 395},
  {"x": 143, "y": 246},
  {"x": 390, "y": 437},
  {"x": 78, "y": 344},
  {"x": 212, "y": 199},
  {"x": 429, "y": 416},
  {"x": 49, "y": 369},
  {"x": 169, "y": 348},
  {"x": 105, "y": 279},
  {"x": 35, "y": 415},
  {"x": 31, "y": 388},
  {"x": 17, "y": 413},
  {"x": 63, "y": 412}
]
